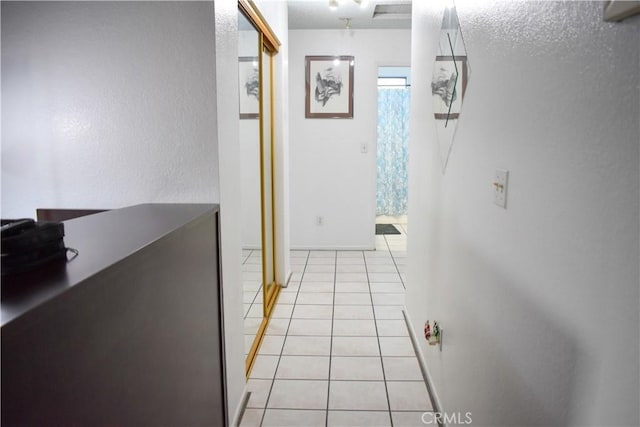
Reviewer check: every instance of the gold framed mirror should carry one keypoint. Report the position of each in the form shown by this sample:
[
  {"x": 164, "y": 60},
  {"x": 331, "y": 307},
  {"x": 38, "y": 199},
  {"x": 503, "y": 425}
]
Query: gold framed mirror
[{"x": 257, "y": 45}]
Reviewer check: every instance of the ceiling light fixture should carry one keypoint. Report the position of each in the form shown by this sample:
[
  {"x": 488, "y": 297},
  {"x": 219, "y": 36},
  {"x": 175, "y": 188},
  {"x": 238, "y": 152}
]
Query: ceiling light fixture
[{"x": 333, "y": 4}]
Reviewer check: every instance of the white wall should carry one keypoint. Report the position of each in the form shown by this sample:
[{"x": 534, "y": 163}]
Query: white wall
[
  {"x": 107, "y": 104},
  {"x": 539, "y": 302},
  {"x": 330, "y": 177}
]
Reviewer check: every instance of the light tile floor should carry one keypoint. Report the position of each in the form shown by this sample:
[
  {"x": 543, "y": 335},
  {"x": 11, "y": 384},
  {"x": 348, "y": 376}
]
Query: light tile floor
[{"x": 337, "y": 351}]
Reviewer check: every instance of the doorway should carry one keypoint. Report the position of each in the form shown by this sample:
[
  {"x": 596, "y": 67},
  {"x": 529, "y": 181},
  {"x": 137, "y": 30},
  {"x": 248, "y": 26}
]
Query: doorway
[{"x": 394, "y": 99}]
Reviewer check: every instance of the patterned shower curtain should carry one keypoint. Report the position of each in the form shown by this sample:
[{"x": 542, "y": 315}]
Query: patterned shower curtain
[{"x": 393, "y": 147}]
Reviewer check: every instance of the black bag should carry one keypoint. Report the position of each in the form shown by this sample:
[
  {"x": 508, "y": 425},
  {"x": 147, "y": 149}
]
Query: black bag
[{"x": 27, "y": 245}]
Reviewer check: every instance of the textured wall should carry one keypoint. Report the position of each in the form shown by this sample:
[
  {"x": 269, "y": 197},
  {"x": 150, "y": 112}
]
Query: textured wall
[
  {"x": 539, "y": 302},
  {"x": 107, "y": 104},
  {"x": 330, "y": 177}
]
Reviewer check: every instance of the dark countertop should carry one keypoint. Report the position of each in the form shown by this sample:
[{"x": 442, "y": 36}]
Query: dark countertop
[{"x": 102, "y": 240}]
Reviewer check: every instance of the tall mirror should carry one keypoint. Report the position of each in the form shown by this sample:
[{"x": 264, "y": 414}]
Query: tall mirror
[
  {"x": 451, "y": 74},
  {"x": 256, "y": 47},
  {"x": 249, "y": 100}
]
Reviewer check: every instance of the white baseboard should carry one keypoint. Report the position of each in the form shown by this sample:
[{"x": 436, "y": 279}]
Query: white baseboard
[
  {"x": 435, "y": 400},
  {"x": 286, "y": 282},
  {"x": 237, "y": 418}
]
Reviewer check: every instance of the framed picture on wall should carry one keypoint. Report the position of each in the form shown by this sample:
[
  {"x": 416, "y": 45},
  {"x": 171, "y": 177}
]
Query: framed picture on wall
[
  {"x": 249, "y": 82},
  {"x": 448, "y": 86},
  {"x": 329, "y": 87}
]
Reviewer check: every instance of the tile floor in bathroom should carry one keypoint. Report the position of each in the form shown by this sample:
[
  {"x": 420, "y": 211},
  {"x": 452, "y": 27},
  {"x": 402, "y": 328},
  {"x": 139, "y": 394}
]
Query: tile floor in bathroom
[{"x": 337, "y": 351}]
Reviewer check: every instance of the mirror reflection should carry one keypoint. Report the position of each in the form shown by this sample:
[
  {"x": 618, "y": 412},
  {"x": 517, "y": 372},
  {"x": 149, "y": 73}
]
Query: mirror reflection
[
  {"x": 449, "y": 82},
  {"x": 267, "y": 180},
  {"x": 249, "y": 97},
  {"x": 256, "y": 47}
]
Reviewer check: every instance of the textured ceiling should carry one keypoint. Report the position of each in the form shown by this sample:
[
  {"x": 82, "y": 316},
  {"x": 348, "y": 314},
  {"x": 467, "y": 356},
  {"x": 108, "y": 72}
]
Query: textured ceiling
[{"x": 315, "y": 14}]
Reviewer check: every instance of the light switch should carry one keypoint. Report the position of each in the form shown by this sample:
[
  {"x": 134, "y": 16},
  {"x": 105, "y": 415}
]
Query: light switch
[{"x": 500, "y": 183}]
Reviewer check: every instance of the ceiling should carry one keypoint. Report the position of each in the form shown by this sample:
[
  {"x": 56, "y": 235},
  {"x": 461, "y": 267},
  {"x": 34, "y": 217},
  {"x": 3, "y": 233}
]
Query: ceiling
[{"x": 316, "y": 14}]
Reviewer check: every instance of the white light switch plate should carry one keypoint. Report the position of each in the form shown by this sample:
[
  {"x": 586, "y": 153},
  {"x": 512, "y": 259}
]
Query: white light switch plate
[{"x": 500, "y": 184}]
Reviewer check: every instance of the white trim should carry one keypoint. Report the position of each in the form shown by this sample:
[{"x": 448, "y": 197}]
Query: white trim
[
  {"x": 286, "y": 282},
  {"x": 435, "y": 400},
  {"x": 237, "y": 418}
]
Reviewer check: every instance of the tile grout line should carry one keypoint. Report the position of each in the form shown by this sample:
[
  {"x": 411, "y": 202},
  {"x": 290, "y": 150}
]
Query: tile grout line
[
  {"x": 343, "y": 356},
  {"x": 419, "y": 381},
  {"x": 375, "y": 323},
  {"x": 273, "y": 381},
  {"x": 393, "y": 258},
  {"x": 333, "y": 309},
  {"x": 329, "y": 381}
]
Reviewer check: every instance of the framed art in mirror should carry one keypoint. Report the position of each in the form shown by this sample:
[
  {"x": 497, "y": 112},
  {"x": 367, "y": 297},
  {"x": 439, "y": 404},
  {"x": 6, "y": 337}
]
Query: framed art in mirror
[
  {"x": 451, "y": 72},
  {"x": 448, "y": 86},
  {"x": 249, "y": 81}
]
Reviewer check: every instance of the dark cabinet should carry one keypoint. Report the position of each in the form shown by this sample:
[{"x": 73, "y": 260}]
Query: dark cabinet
[{"x": 129, "y": 333}]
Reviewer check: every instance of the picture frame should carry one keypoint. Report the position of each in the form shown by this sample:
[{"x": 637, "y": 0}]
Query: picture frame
[
  {"x": 249, "y": 87},
  {"x": 329, "y": 87},
  {"x": 444, "y": 107}
]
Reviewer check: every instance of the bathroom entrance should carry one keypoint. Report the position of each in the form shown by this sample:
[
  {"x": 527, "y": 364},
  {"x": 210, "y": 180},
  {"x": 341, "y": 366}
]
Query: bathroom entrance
[{"x": 394, "y": 98}]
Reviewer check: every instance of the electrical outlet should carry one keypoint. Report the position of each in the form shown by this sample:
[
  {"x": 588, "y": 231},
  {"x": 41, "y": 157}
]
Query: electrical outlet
[
  {"x": 319, "y": 220},
  {"x": 500, "y": 183}
]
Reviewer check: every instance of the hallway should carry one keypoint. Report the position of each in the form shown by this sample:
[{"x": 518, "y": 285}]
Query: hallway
[{"x": 337, "y": 351}]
